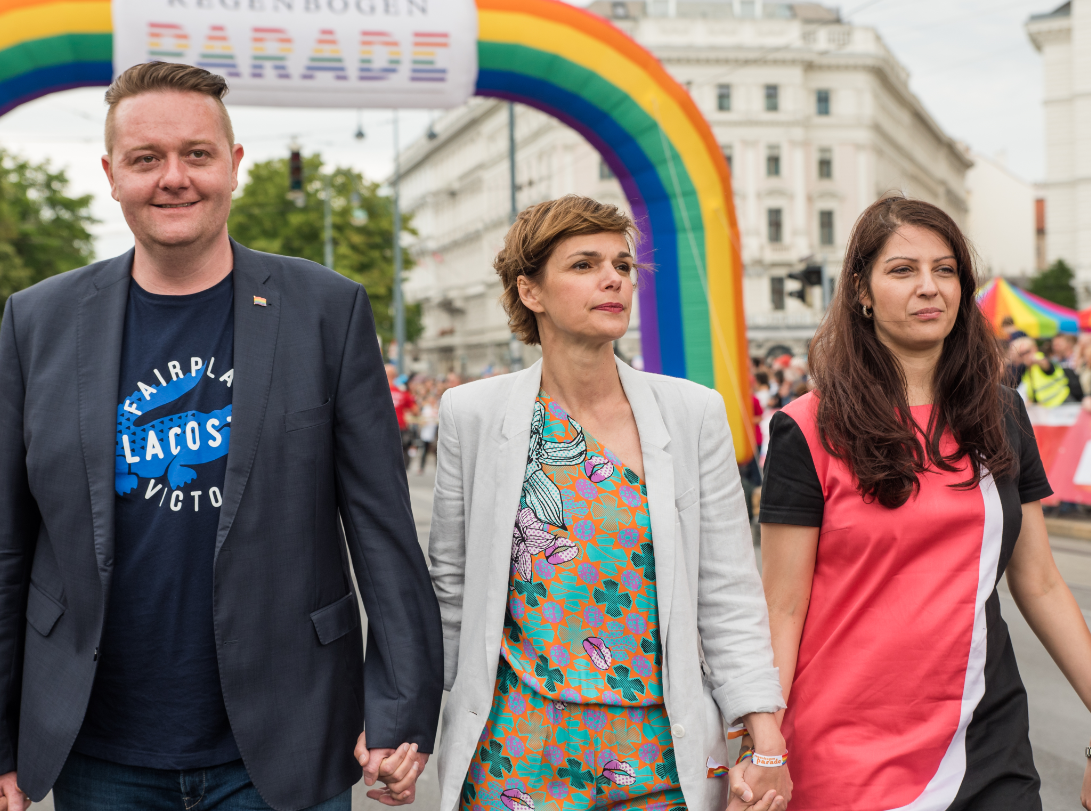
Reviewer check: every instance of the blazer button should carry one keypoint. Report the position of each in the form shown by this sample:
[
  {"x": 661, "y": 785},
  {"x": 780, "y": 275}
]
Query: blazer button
[{"x": 678, "y": 731}]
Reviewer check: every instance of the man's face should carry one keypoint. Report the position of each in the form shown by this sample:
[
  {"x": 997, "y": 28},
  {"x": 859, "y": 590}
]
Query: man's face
[{"x": 172, "y": 168}]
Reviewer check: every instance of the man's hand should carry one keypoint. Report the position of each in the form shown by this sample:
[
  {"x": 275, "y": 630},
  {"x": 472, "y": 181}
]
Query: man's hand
[
  {"x": 1085, "y": 793},
  {"x": 397, "y": 768},
  {"x": 12, "y": 797},
  {"x": 761, "y": 780},
  {"x": 743, "y": 799}
]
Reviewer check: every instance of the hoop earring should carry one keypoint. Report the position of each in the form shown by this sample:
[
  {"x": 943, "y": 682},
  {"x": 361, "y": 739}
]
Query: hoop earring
[{"x": 867, "y": 311}]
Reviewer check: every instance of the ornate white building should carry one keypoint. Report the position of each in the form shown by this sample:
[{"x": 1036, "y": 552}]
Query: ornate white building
[
  {"x": 1063, "y": 37},
  {"x": 816, "y": 120}
]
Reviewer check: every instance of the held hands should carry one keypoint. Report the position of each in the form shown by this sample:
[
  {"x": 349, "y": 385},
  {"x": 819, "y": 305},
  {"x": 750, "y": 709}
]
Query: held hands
[
  {"x": 771, "y": 792},
  {"x": 760, "y": 788},
  {"x": 12, "y": 797},
  {"x": 397, "y": 768}
]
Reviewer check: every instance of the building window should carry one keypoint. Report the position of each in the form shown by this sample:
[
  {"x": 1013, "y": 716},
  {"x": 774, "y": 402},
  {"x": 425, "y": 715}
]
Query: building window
[
  {"x": 776, "y": 225},
  {"x": 747, "y": 9},
  {"x": 772, "y": 161},
  {"x": 776, "y": 292},
  {"x": 772, "y": 98},
  {"x": 605, "y": 172},
  {"x": 620, "y": 11},
  {"x": 729, "y": 153},
  {"x": 723, "y": 98},
  {"x": 825, "y": 164},
  {"x": 825, "y": 228},
  {"x": 822, "y": 102}
]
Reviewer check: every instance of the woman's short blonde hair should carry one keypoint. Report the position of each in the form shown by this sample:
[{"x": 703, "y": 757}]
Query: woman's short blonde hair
[{"x": 530, "y": 242}]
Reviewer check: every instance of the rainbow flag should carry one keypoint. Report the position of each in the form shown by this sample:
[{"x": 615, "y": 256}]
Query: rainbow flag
[
  {"x": 1032, "y": 314},
  {"x": 50, "y": 46}
]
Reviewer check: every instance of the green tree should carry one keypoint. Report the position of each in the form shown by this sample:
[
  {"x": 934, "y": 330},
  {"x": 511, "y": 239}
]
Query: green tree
[
  {"x": 1055, "y": 284},
  {"x": 43, "y": 231},
  {"x": 265, "y": 219}
]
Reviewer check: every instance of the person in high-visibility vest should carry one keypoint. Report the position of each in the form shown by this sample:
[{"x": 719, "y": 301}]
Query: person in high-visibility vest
[{"x": 1046, "y": 383}]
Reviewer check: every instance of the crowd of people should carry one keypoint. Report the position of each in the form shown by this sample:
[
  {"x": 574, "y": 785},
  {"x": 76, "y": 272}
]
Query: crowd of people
[
  {"x": 416, "y": 404},
  {"x": 1050, "y": 372}
]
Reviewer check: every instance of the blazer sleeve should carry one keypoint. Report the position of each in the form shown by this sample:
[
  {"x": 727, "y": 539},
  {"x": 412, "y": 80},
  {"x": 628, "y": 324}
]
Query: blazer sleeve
[
  {"x": 403, "y": 668},
  {"x": 19, "y": 522},
  {"x": 732, "y": 616},
  {"x": 447, "y": 538}
]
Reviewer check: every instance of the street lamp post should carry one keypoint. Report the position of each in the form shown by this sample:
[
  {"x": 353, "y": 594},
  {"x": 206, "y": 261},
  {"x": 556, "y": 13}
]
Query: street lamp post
[
  {"x": 511, "y": 162},
  {"x": 327, "y": 218},
  {"x": 515, "y": 346},
  {"x": 399, "y": 304}
]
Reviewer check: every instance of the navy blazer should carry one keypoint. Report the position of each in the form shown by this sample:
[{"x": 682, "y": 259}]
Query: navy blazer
[{"x": 314, "y": 472}]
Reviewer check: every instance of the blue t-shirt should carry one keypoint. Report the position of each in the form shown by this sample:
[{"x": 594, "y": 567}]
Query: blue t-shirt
[{"x": 157, "y": 700}]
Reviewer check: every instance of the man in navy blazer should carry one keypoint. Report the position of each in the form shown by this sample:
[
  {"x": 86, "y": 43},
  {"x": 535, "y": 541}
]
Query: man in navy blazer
[{"x": 195, "y": 439}]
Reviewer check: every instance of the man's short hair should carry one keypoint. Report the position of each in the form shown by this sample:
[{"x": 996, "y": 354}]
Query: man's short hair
[{"x": 151, "y": 77}]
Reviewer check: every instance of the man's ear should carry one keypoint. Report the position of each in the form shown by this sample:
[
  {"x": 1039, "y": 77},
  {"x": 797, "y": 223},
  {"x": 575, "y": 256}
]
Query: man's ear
[
  {"x": 108, "y": 168},
  {"x": 237, "y": 153}
]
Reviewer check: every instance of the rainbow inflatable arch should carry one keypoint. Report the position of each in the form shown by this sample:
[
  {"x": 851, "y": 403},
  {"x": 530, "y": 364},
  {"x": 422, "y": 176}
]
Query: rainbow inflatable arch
[{"x": 582, "y": 70}]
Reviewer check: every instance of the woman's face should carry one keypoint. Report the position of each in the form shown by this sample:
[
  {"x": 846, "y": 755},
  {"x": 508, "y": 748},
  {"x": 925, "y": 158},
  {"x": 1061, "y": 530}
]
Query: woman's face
[
  {"x": 585, "y": 291},
  {"x": 915, "y": 290}
]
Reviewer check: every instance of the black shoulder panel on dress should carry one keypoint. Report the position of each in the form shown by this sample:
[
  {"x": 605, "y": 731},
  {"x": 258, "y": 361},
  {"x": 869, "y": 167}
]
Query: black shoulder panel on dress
[
  {"x": 790, "y": 492},
  {"x": 1033, "y": 484}
]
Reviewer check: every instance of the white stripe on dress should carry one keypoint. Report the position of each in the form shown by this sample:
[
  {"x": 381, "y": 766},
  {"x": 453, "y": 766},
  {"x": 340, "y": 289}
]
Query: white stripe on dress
[{"x": 944, "y": 785}]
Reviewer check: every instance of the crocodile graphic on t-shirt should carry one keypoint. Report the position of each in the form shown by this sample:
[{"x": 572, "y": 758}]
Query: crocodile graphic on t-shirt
[{"x": 170, "y": 443}]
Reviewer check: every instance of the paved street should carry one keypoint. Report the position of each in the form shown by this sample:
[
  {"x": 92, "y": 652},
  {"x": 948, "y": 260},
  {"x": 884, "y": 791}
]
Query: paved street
[{"x": 1060, "y": 726}]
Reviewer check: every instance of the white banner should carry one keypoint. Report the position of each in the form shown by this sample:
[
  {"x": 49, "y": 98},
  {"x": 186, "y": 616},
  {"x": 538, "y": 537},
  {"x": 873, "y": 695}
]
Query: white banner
[{"x": 311, "y": 53}]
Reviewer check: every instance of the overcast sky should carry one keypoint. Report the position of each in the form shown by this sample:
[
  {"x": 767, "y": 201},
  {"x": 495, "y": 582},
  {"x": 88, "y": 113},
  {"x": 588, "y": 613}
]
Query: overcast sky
[{"x": 971, "y": 63}]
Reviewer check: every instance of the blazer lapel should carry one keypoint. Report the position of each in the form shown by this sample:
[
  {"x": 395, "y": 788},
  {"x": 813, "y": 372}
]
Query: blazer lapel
[
  {"x": 659, "y": 478},
  {"x": 507, "y": 487},
  {"x": 256, "y": 331},
  {"x": 99, "y": 330}
]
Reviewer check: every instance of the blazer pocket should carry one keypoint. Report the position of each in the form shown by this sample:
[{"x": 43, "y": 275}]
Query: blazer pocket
[
  {"x": 686, "y": 500},
  {"x": 336, "y": 619},
  {"x": 43, "y": 611},
  {"x": 309, "y": 417}
]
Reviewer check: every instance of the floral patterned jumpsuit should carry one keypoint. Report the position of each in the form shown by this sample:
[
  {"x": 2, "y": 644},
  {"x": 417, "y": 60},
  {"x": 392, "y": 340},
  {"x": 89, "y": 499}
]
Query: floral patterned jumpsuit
[{"x": 577, "y": 720}]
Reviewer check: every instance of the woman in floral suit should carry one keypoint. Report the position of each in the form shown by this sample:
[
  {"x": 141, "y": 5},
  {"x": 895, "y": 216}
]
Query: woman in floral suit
[{"x": 589, "y": 540}]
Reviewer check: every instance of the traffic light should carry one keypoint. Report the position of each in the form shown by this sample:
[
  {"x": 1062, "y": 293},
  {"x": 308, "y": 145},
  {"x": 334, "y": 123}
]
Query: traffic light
[
  {"x": 295, "y": 177},
  {"x": 295, "y": 171},
  {"x": 810, "y": 276}
]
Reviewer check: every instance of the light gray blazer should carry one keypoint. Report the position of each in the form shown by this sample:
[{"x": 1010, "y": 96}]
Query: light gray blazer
[{"x": 709, "y": 592}]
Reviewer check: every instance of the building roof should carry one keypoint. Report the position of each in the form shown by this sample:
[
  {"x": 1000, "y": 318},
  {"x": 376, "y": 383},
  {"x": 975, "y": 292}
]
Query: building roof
[
  {"x": 1064, "y": 10},
  {"x": 816, "y": 13},
  {"x": 714, "y": 9}
]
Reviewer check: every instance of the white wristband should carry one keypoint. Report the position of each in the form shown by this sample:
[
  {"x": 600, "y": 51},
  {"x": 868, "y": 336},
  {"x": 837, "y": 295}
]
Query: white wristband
[{"x": 769, "y": 761}]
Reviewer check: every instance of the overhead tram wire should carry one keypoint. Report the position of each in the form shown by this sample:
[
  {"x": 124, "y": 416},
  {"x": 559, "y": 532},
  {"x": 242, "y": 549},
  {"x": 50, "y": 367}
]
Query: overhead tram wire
[{"x": 1029, "y": 4}]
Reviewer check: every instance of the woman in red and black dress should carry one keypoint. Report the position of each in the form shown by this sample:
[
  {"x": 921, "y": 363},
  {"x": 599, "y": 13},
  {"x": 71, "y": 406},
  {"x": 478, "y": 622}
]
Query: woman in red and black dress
[{"x": 895, "y": 496}]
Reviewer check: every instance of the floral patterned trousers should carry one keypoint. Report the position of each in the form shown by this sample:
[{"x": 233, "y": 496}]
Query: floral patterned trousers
[{"x": 542, "y": 755}]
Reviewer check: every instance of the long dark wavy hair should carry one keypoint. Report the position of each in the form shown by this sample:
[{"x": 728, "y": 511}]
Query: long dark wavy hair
[{"x": 863, "y": 410}]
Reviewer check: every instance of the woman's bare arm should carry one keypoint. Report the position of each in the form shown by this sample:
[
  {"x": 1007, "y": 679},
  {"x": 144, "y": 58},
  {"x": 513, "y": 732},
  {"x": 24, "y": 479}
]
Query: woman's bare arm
[
  {"x": 1050, "y": 609},
  {"x": 787, "y": 570}
]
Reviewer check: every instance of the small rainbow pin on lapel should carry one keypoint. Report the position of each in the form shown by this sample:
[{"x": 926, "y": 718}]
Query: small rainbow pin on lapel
[{"x": 260, "y": 301}]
